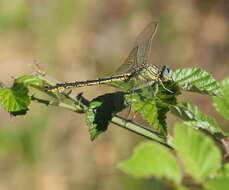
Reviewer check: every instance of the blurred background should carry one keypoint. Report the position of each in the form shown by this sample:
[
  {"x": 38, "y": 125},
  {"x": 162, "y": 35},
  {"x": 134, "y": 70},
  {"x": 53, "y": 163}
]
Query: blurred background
[{"x": 49, "y": 148}]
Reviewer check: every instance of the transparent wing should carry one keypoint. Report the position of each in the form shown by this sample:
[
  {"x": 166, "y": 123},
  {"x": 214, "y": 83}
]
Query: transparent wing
[
  {"x": 140, "y": 53},
  {"x": 144, "y": 43},
  {"x": 129, "y": 63}
]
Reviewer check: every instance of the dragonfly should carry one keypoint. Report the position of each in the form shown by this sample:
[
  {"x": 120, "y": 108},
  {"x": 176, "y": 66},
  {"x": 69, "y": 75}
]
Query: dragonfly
[{"x": 135, "y": 67}]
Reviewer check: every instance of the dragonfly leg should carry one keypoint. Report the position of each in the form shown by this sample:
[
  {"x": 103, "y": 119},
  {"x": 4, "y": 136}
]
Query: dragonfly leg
[
  {"x": 129, "y": 108},
  {"x": 131, "y": 91},
  {"x": 165, "y": 87},
  {"x": 156, "y": 89},
  {"x": 150, "y": 84},
  {"x": 131, "y": 117},
  {"x": 147, "y": 84}
]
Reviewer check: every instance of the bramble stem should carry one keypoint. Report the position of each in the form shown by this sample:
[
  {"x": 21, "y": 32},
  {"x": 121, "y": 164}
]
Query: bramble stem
[
  {"x": 54, "y": 103},
  {"x": 140, "y": 130}
]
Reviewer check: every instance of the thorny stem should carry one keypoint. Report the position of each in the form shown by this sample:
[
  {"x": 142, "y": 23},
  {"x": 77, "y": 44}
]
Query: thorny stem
[
  {"x": 53, "y": 103},
  {"x": 138, "y": 129},
  {"x": 81, "y": 106}
]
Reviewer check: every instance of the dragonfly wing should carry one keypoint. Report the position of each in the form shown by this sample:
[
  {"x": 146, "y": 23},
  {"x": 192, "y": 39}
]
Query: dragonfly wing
[
  {"x": 139, "y": 54},
  {"x": 129, "y": 63},
  {"x": 144, "y": 42}
]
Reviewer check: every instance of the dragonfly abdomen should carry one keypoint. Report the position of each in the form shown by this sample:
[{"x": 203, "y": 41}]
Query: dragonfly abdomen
[{"x": 67, "y": 85}]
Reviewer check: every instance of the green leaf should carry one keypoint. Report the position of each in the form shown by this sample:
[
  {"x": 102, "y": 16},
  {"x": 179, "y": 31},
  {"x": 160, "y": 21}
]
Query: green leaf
[
  {"x": 217, "y": 184},
  {"x": 221, "y": 103},
  {"x": 221, "y": 181},
  {"x": 123, "y": 85},
  {"x": 181, "y": 187},
  {"x": 154, "y": 106},
  {"x": 224, "y": 171},
  {"x": 152, "y": 160},
  {"x": 152, "y": 102},
  {"x": 197, "y": 80},
  {"x": 101, "y": 110},
  {"x": 30, "y": 80},
  {"x": 15, "y": 100},
  {"x": 200, "y": 155},
  {"x": 190, "y": 112},
  {"x": 149, "y": 110}
]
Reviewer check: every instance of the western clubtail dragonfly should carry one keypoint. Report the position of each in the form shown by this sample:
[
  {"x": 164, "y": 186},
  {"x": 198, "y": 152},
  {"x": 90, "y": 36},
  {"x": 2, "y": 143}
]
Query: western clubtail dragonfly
[{"x": 135, "y": 67}]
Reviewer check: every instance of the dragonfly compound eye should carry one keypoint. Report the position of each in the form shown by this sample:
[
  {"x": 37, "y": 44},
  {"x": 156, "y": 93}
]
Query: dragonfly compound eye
[{"x": 166, "y": 73}]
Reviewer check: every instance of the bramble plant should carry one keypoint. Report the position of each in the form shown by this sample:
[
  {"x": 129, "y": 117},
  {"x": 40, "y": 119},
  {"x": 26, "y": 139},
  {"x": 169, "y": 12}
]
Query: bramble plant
[{"x": 192, "y": 152}]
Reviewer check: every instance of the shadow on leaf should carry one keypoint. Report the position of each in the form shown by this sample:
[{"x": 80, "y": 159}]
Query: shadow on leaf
[{"x": 100, "y": 111}]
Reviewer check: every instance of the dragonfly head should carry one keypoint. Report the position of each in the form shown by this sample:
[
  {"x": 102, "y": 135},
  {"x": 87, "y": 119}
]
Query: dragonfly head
[{"x": 166, "y": 74}]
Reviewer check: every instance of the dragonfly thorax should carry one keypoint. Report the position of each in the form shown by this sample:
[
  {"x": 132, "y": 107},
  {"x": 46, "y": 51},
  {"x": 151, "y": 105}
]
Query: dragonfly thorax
[{"x": 148, "y": 73}]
